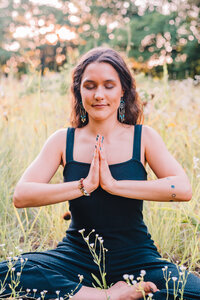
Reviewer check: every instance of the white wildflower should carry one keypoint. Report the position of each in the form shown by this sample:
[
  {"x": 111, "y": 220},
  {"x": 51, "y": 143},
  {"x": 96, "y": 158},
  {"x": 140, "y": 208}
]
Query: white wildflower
[
  {"x": 18, "y": 274},
  {"x": 13, "y": 269},
  {"x": 82, "y": 230},
  {"x": 34, "y": 290},
  {"x": 142, "y": 273},
  {"x": 196, "y": 162},
  {"x": 28, "y": 290},
  {"x": 86, "y": 238},
  {"x": 16, "y": 258},
  {"x": 92, "y": 245},
  {"x": 134, "y": 282},
  {"x": 57, "y": 292},
  {"x": 183, "y": 268},
  {"x": 21, "y": 260},
  {"x": 174, "y": 278},
  {"x": 80, "y": 277},
  {"x": 125, "y": 276},
  {"x": 131, "y": 277},
  {"x": 150, "y": 295}
]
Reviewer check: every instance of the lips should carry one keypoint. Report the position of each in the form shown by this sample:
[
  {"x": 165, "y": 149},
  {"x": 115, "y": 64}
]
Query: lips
[{"x": 99, "y": 105}]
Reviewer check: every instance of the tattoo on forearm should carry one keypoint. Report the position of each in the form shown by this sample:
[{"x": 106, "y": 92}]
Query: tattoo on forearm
[{"x": 172, "y": 187}]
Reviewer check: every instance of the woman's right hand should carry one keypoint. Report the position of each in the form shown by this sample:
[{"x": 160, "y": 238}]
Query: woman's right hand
[
  {"x": 122, "y": 291},
  {"x": 91, "y": 182}
]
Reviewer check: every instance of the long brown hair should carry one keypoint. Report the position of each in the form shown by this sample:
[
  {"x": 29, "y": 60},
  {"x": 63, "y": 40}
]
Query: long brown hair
[{"x": 133, "y": 106}]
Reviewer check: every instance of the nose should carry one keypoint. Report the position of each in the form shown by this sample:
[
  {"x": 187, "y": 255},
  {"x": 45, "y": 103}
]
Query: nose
[{"x": 98, "y": 94}]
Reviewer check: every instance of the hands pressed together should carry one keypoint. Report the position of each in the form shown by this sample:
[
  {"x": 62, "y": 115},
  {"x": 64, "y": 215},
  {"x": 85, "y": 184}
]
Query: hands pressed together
[{"x": 99, "y": 173}]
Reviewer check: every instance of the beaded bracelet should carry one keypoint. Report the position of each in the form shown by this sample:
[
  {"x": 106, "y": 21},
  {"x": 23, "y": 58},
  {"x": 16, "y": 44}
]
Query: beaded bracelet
[{"x": 82, "y": 189}]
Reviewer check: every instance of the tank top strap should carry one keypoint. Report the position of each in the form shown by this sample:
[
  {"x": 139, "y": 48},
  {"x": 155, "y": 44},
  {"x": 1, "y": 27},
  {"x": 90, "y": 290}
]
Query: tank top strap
[
  {"x": 137, "y": 142},
  {"x": 70, "y": 144}
]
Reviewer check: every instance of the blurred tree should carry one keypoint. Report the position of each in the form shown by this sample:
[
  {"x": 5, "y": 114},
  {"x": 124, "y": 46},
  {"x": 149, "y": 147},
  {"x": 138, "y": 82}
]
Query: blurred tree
[{"x": 42, "y": 35}]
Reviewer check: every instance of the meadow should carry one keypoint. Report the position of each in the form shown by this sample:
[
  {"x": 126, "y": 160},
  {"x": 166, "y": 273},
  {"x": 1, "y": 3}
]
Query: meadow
[{"x": 33, "y": 107}]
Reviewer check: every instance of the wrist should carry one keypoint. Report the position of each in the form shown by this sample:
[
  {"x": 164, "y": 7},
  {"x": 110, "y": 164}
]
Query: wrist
[
  {"x": 82, "y": 188},
  {"x": 88, "y": 186},
  {"x": 111, "y": 186}
]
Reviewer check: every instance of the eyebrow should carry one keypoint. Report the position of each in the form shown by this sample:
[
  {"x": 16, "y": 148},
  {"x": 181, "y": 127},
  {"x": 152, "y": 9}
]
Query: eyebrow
[{"x": 92, "y": 81}]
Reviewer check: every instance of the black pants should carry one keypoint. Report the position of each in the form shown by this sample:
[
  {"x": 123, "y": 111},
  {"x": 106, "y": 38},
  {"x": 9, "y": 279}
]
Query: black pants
[{"x": 56, "y": 272}]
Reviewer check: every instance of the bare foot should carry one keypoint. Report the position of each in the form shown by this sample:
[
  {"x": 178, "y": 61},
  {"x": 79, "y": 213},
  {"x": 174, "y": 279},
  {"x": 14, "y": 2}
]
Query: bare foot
[{"x": 122, "y": 291}]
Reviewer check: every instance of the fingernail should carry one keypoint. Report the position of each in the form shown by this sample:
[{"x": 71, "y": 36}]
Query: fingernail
[
  {"x": 95, "y": 146},
  {"x": 102, "y": 139}
]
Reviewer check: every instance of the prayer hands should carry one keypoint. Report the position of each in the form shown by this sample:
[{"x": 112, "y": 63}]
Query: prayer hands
[{"x": 99, "y": 173}]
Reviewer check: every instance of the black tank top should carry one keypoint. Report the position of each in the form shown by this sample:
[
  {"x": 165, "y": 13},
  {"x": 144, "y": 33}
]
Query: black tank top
[{"x": 118, "y": 220}]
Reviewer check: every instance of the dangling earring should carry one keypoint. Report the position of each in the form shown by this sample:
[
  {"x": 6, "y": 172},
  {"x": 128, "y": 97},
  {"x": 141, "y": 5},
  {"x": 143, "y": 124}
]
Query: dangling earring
[
  {"x": 82, "y": 113},
  {"x": 122, "y": 110}
]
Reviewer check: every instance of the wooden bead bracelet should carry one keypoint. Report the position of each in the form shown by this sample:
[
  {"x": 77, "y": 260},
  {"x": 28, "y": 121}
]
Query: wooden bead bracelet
[{"x": 82, "y": 189}]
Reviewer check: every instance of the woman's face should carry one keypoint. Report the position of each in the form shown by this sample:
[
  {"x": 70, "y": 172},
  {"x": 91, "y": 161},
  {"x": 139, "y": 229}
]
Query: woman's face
[{"x": 101, "y": 91}]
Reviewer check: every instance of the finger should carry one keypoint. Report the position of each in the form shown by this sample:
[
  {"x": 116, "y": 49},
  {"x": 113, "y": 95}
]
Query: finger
[
  {"x": 148, "y": 287},
  {"x": 102, "y": 149},
  {"x": 152, "y": 287},
  {"x": 96, "y": 148}
]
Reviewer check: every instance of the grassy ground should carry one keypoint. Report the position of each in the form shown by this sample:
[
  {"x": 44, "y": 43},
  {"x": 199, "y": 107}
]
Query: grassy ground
[{"x": 32, "y": 109}]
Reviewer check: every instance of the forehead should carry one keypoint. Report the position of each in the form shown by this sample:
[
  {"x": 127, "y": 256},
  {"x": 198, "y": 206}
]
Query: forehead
[{"x": 100, "y": 71}]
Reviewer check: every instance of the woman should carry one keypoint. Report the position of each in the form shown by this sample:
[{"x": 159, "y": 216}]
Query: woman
[{"x": 104, "y": 157}]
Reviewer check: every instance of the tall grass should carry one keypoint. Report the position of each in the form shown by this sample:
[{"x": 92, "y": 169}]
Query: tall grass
[{"x": 33, "y": 108}]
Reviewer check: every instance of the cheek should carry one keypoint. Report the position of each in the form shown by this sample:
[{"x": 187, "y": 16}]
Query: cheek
[{"x": 86, "y": 94}]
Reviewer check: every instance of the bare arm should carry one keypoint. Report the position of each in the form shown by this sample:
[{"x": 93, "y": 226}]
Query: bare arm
[
  {"x": 172, "y": 183},
  {"x": 33, "y": 189}
]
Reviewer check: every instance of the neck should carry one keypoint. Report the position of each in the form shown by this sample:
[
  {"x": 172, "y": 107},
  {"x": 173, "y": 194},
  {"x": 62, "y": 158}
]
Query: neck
[{"x": 105, "y": 128}]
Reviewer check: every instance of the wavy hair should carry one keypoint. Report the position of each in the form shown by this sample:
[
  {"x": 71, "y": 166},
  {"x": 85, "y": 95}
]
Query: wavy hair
[{"x": 133, "y": 105}]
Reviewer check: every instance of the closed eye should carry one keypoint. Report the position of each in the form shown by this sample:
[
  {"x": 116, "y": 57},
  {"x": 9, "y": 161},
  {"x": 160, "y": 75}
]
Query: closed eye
[{"x": 109, "y": 86}]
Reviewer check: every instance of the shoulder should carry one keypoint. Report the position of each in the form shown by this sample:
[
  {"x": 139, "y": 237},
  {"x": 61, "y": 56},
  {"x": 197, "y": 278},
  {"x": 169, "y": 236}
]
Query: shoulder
[
  {"x": 152, "y": 142},
  {"x": 56, "y": 142},
  {"x": 58, "y": 137},
  {"x": 150, "y": 135}
]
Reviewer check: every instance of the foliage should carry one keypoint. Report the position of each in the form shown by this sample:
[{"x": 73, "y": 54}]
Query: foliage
[{"x": 151, "y": 34}]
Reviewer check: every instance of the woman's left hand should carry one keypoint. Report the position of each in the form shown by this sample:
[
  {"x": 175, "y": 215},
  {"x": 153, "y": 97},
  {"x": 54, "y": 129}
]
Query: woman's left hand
[{"x": 105, "y": 177}]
